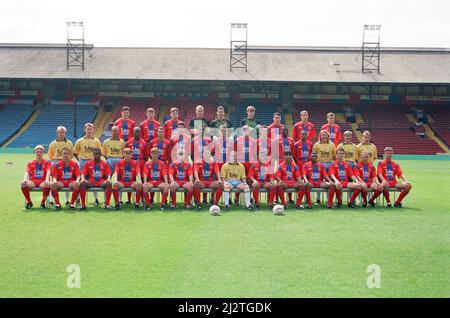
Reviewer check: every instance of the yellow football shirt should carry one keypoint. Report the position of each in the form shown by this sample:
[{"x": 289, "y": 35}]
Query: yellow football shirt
[
  {"x": 113, "y": 148},
  {"x": 325, "y": 152},
  {"x": 350, "y": 151},
  {"x": 370, "y": 148},
  {"x": 84, "y": 147},
  {"x": 231, "y": 171},
  {"x": 56, "y": 147}
]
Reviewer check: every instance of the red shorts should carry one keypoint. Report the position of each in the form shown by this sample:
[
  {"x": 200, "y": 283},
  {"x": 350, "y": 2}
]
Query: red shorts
[
  {"x": 96, "y": 184},
  {"x": 246, "y": 167},
  {"x": 155, "y": 183},
  {"x": 181, "y": 182},
  {"x": 344, "y": 183},
  {"x": 289, "y": 183},
  {"x": 316, "y": 184},
  {"x": 207, "y": 184},
  {"x": 37, "y": 182},
  {"x": 391, "y": 183},
  {"x": 261, "y": 184},
  {"x": 66, "y": 183},
  {"x": 126, "y": 184}
]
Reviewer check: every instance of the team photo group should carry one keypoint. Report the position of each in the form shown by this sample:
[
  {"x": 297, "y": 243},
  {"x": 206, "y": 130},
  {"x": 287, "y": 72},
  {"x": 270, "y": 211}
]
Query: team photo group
[{"x": 170, "y": 157}]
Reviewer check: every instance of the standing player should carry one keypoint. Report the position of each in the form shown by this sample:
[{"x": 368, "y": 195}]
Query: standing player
[
  {"x": 171, "y": 124},
  {"x": 366, "y": 174},
  {"x": 125, "y": 124},
  {"x": 333, "y": 129},
  {"x": 138, "y": 152},
  {"x": 221, "y": 120},
  {"x": 367, "y": 146},
  {"x": 275, "y": 128},
  {"x": 350, "y": 149},
  {"x": 181, "y": 176},
  {"x": 285, "y": 143},
  {"x": 303, "y": 125},
  {"x": 95, "y": 174},
  {"x": 388, "y": 170},
  {"x": 112, "y": 149},
  {"x": 246, "y": 148},
  {"x": 302, "y": 149},
  {"x": 162, "y": 144},
  {"x": 315, "y": 176},
  {"x": 199, "y": 122},
  {"x": 261, "y": 176},
  {"x": 149, "y": 126},
  {"x": 341, "y": 172},
  {"x": 289, "y": 176},
  {"x": 181, "y": 139},
  {"x": 250, "y": 120},
  {"x": 207, "y": 175},
  {"x": 199, "y": 144},
  {"x": 264, "y": 143},
  {"x": 37, "y": 174},
  {"x": 233, "y": 177},
  {"x": 325, "y": 150},
  {"x": 155, "y": 176},
  {"x": 56, "y": 146},
  {"x": 84, "y": 148},
  {"x": 128, "y": 175},
  {"x": 66, "y": 174},
  {"x": 222, "y": 147}
]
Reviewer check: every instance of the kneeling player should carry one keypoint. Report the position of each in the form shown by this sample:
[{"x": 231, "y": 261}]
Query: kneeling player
[
  {"x": 367, "y": 177},
  {"x": 128, "y": 174},
  {"x": 66, "y": 174},
  {"x": 315, "y": 176},
  {"x": 96, "y": 174},
  {"x": 207, "y": 175},
  {"x": 341, "y": 173},
  {"x": 181, "y": 176},
  {"x": 388, "y": 170},
  {"x": 37, "y": 174},
  {"x": 155, "y": 176},
  {"x": 261, "y": 176},
  {"x": 233, "y": 177},
  {"x": 288, "y": 176}
]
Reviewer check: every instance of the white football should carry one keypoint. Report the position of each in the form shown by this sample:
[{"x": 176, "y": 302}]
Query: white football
[
  {"x": 214, "y": 210},
  {"x": 278, "y": 209}
]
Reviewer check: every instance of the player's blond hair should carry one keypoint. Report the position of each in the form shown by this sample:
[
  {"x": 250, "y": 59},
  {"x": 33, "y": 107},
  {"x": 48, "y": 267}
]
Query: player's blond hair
[
  {"x": 61, "y": 128},
  {"x": 39, "y": 147}
]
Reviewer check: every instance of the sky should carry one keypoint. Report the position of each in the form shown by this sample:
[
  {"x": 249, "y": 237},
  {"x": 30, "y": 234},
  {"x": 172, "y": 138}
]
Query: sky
[{"x": 202, "y": 23}]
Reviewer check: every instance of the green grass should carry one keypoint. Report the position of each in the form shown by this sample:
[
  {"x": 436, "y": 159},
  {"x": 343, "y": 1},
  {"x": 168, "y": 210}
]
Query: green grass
[{"x": 239, "y": 254}]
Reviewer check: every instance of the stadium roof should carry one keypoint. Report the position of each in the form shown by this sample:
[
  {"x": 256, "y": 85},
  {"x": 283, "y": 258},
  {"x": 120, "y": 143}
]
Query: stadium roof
[{"x": 292, "y": 64}]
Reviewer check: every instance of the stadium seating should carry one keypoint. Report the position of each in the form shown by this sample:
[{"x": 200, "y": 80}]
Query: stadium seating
[
  {"x": 13, "y": 117},
  {"x": 441, "y": 123},
  {"x": 43, "y": 129},
  {"x": 264, "y": 113},
  {"x": 389, "y": 126}
]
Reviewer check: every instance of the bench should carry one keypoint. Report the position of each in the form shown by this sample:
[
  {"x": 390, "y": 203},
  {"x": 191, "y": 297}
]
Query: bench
[{"x": 320, "y": 191}]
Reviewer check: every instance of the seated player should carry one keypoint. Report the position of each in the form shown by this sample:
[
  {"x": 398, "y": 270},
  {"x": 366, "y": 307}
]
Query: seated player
[
  {"x": 315, "y": 176},
  {"x": 261, "y": 175},
  {"x": 128, "y": 175},
  {"x": 341, "y": 172},
  {"x": 37, "y": 174},
  {"x": 388, "y": 170},
  {"x": 181, "y": 176},
  {"x": 233, "y": 177},
  {"x": 207, "y": 175},
  {"x": 366, "y": 174},
  {"x": 95, "y": 174},
  {"x": 288, "y": 176},
  {"x": 302, "y": 149},
  {"x": 155, "y": 176},
  {"x": 66, "y": 174}
]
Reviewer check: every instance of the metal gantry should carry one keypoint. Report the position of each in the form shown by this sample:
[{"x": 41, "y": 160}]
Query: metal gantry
[
  {"x": 238, "y": 46},
  {"x": 371, "y": 48},
  {"x": 75, "y": 45}
]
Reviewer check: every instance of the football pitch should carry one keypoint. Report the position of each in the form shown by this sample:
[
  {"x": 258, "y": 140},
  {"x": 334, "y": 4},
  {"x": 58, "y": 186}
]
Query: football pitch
[{"x": 322, "y": 253}]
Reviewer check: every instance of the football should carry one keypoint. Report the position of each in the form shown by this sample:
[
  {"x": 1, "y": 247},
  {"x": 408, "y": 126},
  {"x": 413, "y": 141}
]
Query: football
[
  {"x": 214, "y": 210},
  {"x": 278, "y": 209}
]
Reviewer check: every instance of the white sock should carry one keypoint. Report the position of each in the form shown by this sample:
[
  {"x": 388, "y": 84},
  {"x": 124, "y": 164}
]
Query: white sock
[
  {"x": 67, "y": 196},
  {"x": 247, "y": 198},
  {"x": 96, "y": 195},
  {"x": 120, "y": 194},
  {"x": 226, "y": 197}
]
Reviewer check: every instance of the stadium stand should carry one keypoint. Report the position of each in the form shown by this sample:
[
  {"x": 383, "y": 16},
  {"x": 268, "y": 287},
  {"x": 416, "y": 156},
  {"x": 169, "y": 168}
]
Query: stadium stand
[
  {"x": 264, "y": 113},
  {"x": 42, "y": 130},
  {"x": 13, "y": 117},
  {"x": 390, "y": 127},
  {"x": 441, "y": 123}
]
